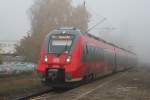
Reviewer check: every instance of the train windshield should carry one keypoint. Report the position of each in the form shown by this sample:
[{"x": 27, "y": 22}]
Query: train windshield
[{"x": 60, "y": 45}]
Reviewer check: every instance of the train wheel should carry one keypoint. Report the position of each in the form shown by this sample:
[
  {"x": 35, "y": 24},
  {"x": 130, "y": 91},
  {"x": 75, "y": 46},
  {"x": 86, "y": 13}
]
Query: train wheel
[
  {"x": 89, "y": 78},
  {"x": 94, "y": 76}
]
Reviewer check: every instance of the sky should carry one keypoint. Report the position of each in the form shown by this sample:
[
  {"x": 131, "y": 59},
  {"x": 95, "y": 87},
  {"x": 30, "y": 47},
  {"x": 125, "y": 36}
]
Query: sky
[
  {"x": 14, "y": 19},
  {"x": 130, "y": 18}
]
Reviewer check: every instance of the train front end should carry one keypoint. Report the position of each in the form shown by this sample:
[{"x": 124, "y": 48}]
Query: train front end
[{"x": 59, "y": 61}]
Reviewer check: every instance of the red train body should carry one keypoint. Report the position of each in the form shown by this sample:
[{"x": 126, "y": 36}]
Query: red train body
[{"x": 68, "y": 56}]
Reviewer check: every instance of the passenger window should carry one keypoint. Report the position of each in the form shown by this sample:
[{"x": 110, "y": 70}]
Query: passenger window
[{"x": 86, "y": 50}]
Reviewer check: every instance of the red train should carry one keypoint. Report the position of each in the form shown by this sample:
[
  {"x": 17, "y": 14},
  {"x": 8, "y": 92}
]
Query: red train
[{"x": 69, "y": 56}]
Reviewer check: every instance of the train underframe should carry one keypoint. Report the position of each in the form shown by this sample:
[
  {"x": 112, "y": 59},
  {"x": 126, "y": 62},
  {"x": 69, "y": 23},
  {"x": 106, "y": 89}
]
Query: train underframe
[{"x": 55, "y": 77}]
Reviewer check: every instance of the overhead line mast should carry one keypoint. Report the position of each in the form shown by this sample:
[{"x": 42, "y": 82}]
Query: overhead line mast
[
  {"x": 101, "y": 21},
  {"x": 96, "y": 24}
]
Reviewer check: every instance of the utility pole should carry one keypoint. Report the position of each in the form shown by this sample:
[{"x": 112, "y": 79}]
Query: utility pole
[
  {"x": 100, "y": 22},
  {"x": 84, "y": 3}
]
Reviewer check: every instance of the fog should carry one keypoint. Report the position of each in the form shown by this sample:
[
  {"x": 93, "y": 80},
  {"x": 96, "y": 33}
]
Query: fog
[{"x": 129, "y": 20}]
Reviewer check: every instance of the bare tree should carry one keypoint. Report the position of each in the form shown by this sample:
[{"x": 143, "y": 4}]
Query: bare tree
[{"x": 46, "y": 15}]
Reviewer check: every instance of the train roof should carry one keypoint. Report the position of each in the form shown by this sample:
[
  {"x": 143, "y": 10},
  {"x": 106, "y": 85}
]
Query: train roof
[
  {"x": 100, "y": 39},
  {"x": 68, "y": 28},
  {"x": 77, "y": 31},
  {"x": 63, "y": 30}
]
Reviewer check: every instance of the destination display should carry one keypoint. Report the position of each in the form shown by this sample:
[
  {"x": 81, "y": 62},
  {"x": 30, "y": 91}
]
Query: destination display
[{"x": 62, "y": 37}]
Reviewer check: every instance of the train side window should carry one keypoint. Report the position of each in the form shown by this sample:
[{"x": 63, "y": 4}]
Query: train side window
[
  {"x": 92, "y": 53},
  {"x": 101, "y": 53},
  {"x": 86, "y": 49},
  {"x": 89, "y": 52},
  {"x": 96, "y": 57}
]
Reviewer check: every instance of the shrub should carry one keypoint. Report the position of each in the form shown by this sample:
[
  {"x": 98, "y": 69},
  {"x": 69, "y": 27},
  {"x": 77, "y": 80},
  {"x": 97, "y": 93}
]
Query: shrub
[{"x": 1, "y": 61}]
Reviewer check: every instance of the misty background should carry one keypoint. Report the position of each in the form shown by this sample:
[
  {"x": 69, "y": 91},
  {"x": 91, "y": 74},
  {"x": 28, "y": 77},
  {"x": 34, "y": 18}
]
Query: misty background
[{"x": 127, "y": 22}]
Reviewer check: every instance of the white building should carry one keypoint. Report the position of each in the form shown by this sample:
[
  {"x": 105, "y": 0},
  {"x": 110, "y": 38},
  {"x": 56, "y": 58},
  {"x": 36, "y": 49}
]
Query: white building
[{"x": 7, "y": 47}]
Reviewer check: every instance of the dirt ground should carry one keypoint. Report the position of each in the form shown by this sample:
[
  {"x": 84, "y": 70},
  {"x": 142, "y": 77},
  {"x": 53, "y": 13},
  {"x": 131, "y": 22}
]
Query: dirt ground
[
  {"x": 133, "y": 84},
  {"x": 13, "y": 86}
]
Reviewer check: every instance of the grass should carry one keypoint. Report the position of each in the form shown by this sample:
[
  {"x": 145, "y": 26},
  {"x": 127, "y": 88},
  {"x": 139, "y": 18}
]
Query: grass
[
  {"x": 26, "y": 73},
  {"x": 19, "y": 83}
]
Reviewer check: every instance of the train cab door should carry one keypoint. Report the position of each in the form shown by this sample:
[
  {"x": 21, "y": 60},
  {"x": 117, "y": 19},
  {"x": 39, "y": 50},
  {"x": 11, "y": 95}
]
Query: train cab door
[
  {"x": 106, "y": 60},
  {"x": 109, "y": 59},
  {"x": 115, "y": 61},
  {"x": 85, "y": 56}
]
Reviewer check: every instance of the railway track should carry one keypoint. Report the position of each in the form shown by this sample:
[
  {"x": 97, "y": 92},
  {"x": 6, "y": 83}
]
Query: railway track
[
  {"x": 35, "y": 94},
  {"x": 42, "y": 93},
  {"x": 127, "y": 84},
  {"x": 49, "y": 92},
  {"x": 88, "y": 88},
  {"x": 99, "y": 86}
]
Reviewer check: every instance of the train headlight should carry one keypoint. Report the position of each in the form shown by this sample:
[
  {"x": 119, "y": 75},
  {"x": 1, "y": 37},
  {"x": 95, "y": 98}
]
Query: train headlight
[
  {"x": 45, "y": 58},
  {"x": 68, "y": 59}
]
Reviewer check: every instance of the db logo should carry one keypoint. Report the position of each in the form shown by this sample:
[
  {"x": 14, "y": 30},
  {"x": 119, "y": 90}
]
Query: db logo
[{"x": 56, "y": 60}]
